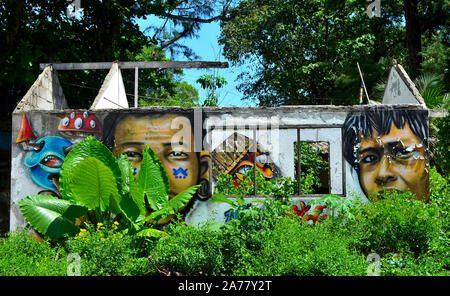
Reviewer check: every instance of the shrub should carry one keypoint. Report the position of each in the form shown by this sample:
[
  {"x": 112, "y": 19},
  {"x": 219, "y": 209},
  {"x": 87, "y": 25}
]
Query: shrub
[
  {"x": 394, "y": 224},
  {"x": 407, "y": 265},
  {"x": 302, "y": 249},
  {"x": 189, "y": 250},
  {"x": 106, "y": 252},
  {"x": 23, "y": 255},
  {"x": 440, "y": 194}
]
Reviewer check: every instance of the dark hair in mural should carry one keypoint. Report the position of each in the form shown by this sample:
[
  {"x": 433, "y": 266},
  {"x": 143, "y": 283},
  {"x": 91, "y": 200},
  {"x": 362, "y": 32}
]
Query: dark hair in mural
[{"x": 381, "y": 120}]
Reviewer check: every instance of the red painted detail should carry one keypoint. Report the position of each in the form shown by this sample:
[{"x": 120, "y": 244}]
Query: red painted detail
[
  {"x": 80, "y": 121},
  {"x": 25, "y": 133}
]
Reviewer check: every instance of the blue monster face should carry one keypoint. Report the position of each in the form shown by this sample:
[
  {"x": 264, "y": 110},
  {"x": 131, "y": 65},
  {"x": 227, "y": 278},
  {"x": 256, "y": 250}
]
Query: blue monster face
[{"x": 46, "y": 163}]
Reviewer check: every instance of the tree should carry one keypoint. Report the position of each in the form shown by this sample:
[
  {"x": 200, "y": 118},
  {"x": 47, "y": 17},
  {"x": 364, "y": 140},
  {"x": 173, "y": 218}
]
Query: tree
[
  {"x": 211, "y": 83},
  {"x": 305, "y": 52},
  {"x": 33, "y": 32}
]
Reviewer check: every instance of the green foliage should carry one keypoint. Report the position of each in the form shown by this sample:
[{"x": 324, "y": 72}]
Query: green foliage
[
  {"x": 23, "y": 255},
  {"x": 441, "y": 157},
  {"x": 338, "y": 207},
  {"x": 311, "y": 167},
  {"x": 96, "y": 181},
  {"x": 104, "y": 251},
  {"x": 33, "y": 32},
  {"x": 89, "y": 147},
  {"x": 211, "y": 83},
  {"x": 173, "y": 205},
  {"x": 161, "y": 88},
  {"x": 281, "y": 187},
  {"x": 408, "y": 265},
  {"x": 190, "y": 251},
  {"x": 93, "y": 185},
  {"x": 264, "y": 240},
  {"x": 397, "y": 223},
  {"x": 50, "y": 215},
  {"x": 306, "y": 52},
  {"x": 243, "y": 238},
  {"x": 440, "y": 195},
  {"x": 307, "y": 250},
  {"x": 153, "y": 180}
]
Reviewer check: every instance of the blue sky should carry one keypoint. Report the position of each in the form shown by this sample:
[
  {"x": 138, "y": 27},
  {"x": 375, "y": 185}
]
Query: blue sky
[{"x": 208, "y": 49}]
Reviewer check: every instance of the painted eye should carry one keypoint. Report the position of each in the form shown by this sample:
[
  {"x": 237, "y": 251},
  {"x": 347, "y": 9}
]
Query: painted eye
[
  {"x": 78, "y": 123},
  {"x": 85, "y": 114},
  {"x": 72, "y": 115},
  {"x": 263, "y": 159},
  {"x": 244, "y": 169},
  {"x": 402, "y": 153},
  {"x": 52, "y": 161},
  {"x": 133, "y": 156},
  {"x": 177, "y": 155},
  {"x": 92, "y": 123},
  {"x": 65, "y": 121},
  {"x": 369, "y": 159}
]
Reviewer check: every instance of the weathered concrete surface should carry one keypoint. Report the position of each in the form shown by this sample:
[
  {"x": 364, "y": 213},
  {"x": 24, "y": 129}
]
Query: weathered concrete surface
[
  {"x": 400, "y": 89},
  {"x": 276, "y": 130},
  {"x": 112, "y": 93},
  {"x": 45, "y": 94}
]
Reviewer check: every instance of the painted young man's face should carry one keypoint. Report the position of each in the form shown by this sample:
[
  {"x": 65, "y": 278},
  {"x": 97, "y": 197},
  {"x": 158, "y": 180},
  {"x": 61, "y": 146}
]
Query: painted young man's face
[
  {"x": 178, "y": 158},
  {"x": 396, "y": 161}
]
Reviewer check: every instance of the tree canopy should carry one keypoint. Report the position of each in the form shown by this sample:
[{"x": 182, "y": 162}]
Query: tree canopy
[
  {"x": 305, "y": 52},
  {"x": 33, "y": 32}
]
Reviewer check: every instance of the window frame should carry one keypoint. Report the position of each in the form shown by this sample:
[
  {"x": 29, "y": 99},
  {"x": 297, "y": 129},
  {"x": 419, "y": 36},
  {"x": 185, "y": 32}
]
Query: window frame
[{"x": 298, "y": 128}]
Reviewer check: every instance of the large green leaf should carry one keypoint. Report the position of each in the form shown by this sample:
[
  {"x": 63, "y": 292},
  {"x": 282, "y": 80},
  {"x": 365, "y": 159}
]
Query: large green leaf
[
  {"x": 221, "y": 198},
  {"x": 133, "y": 203},
  {"x": 51, "y": 216},
  {"x": 153, "y": 180},
  {"x": 89, "y": 147},
  {"x": 174, "y": 204},
  {"x": 93, "y": 185}
]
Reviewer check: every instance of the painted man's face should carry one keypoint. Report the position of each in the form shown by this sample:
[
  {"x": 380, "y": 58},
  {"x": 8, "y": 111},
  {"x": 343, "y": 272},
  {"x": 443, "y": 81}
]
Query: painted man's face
[
  {"x": 179, "y": 159},
  {"x": 396, "y": 161}
]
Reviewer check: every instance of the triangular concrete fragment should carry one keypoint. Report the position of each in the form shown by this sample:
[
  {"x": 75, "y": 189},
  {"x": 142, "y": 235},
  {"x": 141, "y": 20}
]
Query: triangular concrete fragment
[
  {"x": 400, "y": 89},
  {"x": 112, "y": 93},
  {"x": 45, "y": 93}
]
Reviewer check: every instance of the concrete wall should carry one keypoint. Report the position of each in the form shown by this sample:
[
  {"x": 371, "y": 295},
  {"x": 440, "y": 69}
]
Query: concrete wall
[
  {"x": 45, "y": 94},
  {"x": 204, "y": 130},
  {"x": 368, "y": 148}
]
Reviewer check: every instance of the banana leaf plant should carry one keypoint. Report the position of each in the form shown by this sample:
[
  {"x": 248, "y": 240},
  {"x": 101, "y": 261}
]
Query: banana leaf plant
[{"x": 99, "y": 187}]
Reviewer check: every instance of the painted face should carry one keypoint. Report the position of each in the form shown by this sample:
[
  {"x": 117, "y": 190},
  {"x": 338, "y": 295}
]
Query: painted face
[
  {"x": 45, "y": 164},
  {"x": 396, "y": 161},
  {"x": 263, "y": 164},
  {"x": 179, "y": 159}
]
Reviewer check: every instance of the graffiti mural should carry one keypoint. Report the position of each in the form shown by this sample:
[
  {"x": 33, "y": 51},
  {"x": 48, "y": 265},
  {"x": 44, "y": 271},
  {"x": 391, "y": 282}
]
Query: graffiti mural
[
  {"x": 368, "y": 150},
  {"x": 173, "y": 144},
  {"x": 234, "y": 157},
  {"x": 78, "y": 125},
  {"x": 388, "y": 151},
  {"x": 45, "y": 156}
]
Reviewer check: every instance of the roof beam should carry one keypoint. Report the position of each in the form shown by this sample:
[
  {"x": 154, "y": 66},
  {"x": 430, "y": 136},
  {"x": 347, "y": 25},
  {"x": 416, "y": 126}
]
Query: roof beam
[{"x": 133, "y": 65}]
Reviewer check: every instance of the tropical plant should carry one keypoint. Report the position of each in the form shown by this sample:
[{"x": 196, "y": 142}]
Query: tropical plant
[
  {"x": 210, "y": 83},
  {"x": 337, "y": 206},
  {"x": 305, "y": 52},
  {"x": 99, "y": 187},
  {"x": 280, "y": 187}
]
